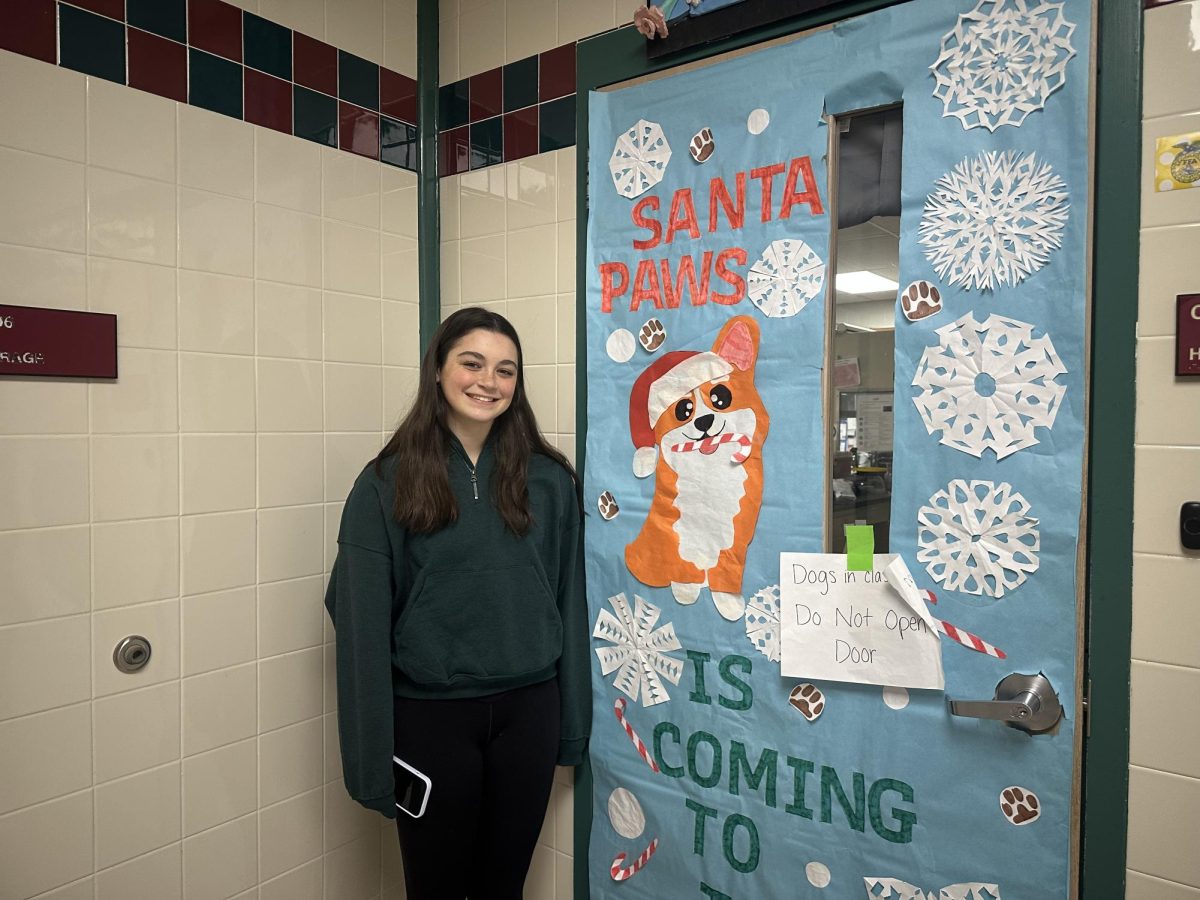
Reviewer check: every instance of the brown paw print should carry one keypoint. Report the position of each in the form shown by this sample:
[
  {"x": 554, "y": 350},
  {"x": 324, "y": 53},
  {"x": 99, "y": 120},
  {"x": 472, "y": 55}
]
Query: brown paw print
[
  {"x": 1019, "y": 805},
  {"x": 808, "y": 699},
  {"x": 608, "y": 506},
  {"x": 702, "y": 145},
  {"x": 920, "y": 299},
  {"x": 652, "y": 335}
]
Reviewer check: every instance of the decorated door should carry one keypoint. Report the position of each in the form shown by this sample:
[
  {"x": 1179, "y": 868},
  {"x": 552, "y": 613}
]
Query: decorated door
[{"x": 774, "y": 719}]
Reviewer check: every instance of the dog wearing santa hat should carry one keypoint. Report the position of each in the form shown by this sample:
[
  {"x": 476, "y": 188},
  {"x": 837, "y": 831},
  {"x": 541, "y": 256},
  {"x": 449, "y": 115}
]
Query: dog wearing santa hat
[{"x": 699, "y": 425}]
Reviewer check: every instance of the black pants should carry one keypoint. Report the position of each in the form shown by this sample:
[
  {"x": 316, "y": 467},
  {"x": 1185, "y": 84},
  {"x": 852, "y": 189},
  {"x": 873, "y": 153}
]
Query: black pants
[{"x": 491, "y": 764}]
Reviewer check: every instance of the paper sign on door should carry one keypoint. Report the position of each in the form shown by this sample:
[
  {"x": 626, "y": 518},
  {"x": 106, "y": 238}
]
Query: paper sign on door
[{"x": 866, "y": 627}]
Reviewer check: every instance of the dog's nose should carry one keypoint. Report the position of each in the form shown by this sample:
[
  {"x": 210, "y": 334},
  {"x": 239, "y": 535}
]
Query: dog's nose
[{"x": 704, "y": 422}]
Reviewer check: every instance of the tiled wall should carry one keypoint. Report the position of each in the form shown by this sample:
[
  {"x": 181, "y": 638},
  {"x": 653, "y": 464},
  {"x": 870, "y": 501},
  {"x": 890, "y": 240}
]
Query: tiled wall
[
  {"x": 1164, "y": 776},
  {"x": 266, "y": 291}
]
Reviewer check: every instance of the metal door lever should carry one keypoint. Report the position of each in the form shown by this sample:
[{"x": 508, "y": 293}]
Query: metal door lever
[{"x": 1027, "y": 702}]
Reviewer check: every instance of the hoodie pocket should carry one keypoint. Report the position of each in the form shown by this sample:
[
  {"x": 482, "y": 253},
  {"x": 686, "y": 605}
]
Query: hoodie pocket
[{"x": 464, "y": 625}]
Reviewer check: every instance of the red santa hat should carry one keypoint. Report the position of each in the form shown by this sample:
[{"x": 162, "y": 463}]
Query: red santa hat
[{"x": 668, "y": 379}]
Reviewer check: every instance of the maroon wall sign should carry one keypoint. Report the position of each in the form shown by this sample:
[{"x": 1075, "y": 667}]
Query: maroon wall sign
[
  {"x": 1187, "y": 334},
  {"x": 57, "y": 343}
]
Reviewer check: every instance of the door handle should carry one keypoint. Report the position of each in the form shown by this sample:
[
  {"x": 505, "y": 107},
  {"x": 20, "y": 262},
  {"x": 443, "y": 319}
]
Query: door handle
[{"x": 1027, "y": 702}]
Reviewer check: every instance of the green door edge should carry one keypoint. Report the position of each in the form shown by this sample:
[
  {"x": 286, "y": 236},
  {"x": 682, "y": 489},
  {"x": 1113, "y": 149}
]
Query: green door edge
[{"x": 620, "y": 55}]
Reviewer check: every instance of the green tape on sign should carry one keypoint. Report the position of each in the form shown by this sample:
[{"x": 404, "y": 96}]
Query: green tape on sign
[{"x": 860, "y": 548}]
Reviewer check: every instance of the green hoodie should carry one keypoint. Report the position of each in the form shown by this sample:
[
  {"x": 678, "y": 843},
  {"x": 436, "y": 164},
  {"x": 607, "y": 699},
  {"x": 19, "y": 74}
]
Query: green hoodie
[{"x": 467, "y": 611}]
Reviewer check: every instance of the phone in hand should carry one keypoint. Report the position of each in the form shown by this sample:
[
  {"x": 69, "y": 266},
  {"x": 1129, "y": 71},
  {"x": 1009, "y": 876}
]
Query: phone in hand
[{"x": 412, "y": 788}]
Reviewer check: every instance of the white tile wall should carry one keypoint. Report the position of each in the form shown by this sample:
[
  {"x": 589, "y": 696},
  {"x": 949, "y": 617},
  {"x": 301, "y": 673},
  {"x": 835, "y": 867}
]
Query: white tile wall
[
  {"x": 1164, "y": 783},
  {"x": 193, "y": 499}
]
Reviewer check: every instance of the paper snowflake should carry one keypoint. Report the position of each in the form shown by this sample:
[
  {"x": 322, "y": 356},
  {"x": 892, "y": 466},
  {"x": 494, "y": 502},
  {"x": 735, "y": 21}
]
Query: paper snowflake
[
  {"x": 989, "y": 385},
  {"x": 994, "y": 219},
  {"x": 895, "y": 889},
  {"x": 787, "y": 275},
  {"x": 762, "y": 622},
  {"x": 639, "y": 159},
  {"x": 978, "y": 538},
  {"x": 1001, "y": 62},
  {"x": 639, "y": 650}
]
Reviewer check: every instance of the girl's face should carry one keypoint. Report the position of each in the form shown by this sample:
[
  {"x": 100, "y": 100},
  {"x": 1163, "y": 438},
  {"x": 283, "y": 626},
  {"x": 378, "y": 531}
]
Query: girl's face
[{"x": 478, "y": 379}]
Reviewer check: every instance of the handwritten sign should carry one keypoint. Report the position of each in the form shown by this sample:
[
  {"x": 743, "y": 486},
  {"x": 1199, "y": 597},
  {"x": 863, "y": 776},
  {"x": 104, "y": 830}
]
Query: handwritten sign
[
  {"x": 57, "y": 342},
  {"x": 865, "y": 627}
]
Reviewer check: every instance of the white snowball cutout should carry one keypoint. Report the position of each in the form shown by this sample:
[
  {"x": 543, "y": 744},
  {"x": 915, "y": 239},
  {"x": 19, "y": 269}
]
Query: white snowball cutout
[
  {"x": 818, "y": 874},
  {"x": 620, "y": 346},
  {"x": 758, "y": 120},
  {"x": 625, "y": 814},
  {"x": 895, "y": 697}
]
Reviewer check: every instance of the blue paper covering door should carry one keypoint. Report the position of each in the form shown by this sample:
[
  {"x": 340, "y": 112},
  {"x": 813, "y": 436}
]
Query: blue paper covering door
[{"x": 709, "y": 241}]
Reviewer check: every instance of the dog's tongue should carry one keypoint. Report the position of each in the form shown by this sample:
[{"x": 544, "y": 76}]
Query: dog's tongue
[{"x": 708, "y": 446}]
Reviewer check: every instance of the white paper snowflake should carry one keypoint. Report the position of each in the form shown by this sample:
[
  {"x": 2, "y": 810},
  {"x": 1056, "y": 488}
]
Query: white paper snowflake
[
  {"x": 1001, "y": 62},
  {"x": 787, "y": 275},
  {"x": 978, "y": 538},
  {"x": 762, "y": 622},
  {"x": 989, "y": 385},
  {"x": 639, "y": 159},
  {"x": 639, "y": 650},
  {"x": 895, "y": 889}
]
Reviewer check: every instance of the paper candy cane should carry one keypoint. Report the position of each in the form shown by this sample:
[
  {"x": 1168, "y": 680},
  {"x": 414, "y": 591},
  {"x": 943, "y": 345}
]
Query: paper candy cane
[
  {"x": 968, "y": 640},
  {"x": 620, "y": 873},
  {"x": 619, "y": 712},
  {"x": 710, "y": 444}
]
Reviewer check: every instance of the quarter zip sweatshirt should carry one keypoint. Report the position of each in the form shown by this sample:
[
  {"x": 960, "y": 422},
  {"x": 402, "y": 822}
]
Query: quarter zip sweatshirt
[{"x": 467, "y": 611}]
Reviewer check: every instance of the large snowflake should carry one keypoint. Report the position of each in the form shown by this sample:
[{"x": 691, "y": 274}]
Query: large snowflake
[
  {"x": 639, "y": 159},
  {"x": 994, "y": 219},
  {"x": 978, "y": 537},
  {"x": 895, "y": 889},
  {"x": 762, "y": 622},
  {"x": 989, "y": 385},
  {"x": 1001, "y": 62},
  {"x": 639, "y": 650},
  {"x": 787, "y": 275}
]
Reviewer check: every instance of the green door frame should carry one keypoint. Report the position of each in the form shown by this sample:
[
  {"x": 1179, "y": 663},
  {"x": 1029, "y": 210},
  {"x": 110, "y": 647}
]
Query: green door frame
[{"x": 621, "y": 55}]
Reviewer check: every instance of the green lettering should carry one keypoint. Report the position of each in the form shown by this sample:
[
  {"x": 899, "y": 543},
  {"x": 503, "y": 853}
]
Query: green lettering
[
  {"x": 906, "y": 817},
  {"x": 702, "y": 812},
  {"x": 856, "y": 814},
  {"x": 743, "y": 687},
  {"x": 694, "y": 742},
  {"x": 699, "y": 694},
  {"x": 750, "y": 863},
  {"x": 800, "y": 770},
  {"x": 768, "y": 765},
  {"x": 713, "y": 892},
  {"x": 659, "y": 730}
]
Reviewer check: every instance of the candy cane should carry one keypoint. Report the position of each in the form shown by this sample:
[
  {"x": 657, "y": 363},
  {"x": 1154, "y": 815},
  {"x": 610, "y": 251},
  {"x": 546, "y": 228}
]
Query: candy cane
[
  {"x": 966, "y": 638},
  {"x": 619, "y": 712},
  {"x": 620, "y": 873},
  {"x": 710, "y": 444}
]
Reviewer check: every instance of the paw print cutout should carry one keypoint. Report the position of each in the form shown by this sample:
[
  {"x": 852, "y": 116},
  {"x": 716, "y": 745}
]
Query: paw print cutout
[
  {"x": 920, "y": 300},
  {"x": 808, "y": 700},
  {"x": 652, "y": 335},
  {"x": 607, "y": 505},
  {"x": 1020, "y": 805},
  {"x": 702, "y": 145}
]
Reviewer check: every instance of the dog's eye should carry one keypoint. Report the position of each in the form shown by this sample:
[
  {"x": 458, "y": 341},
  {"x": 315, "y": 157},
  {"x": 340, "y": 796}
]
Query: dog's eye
[
  {"x": 683, "y": 410},
  {"x": 720, "y": 397}
]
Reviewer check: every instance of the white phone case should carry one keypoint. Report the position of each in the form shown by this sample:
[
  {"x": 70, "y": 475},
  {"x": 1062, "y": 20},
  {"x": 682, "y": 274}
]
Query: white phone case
[{"x": 428, "y": 788}]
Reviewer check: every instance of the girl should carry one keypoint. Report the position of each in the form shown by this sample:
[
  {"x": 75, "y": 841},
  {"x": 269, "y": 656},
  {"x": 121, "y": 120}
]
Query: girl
[{"x": 457, "y": 600}]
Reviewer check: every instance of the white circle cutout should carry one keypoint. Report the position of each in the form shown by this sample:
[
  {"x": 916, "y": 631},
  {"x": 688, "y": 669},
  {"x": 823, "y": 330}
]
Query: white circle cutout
[
  {"x": 818, "y": 874},
  {"x": 758, "y": 120},
  {"x": 895, "y": 697},
  {"x": 620, "y": 345},
  {"x": 625, "y": 814}
]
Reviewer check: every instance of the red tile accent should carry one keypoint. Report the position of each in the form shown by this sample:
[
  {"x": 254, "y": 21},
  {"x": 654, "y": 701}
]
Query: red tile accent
[
  {"x": 487, "y": 94},
  {"x": 314, "y": 64},
  {"x": 268, "y": 101},
  {"x": 397, "y": 96},
  {"x": 114, "y": 9},
  {"x": 358, "y": 130},
  {"x": 454, "y": 151},
  {"x": 157, "y": 65},
  {"x": 216, "y": 27},
  {"x": 521, "y": 133},
  {"x": 29, "y": 27},
  {"x": 557, "y": 72}
]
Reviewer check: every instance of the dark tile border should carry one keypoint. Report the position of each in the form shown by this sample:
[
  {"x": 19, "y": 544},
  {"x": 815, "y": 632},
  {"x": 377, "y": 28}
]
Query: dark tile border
[
  {"x": 518, "y": 110},
  {"x": 215, "y": 55}
]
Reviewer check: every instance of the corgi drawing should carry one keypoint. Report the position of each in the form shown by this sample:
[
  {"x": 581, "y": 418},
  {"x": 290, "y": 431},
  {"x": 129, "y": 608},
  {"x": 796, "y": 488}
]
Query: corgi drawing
[{"x": 699, "y": 425}]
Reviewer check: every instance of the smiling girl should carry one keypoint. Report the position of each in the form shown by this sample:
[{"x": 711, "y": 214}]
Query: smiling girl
[{"x": 457, "y": 600}]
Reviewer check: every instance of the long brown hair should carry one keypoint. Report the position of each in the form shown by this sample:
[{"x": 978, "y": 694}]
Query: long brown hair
[{"x": 424, "y": 501}]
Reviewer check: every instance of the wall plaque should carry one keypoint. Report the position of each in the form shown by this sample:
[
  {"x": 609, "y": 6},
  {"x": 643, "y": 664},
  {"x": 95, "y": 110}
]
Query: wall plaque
[
  {"x": 1187, "y": 334},
  {"x": 57, "y": 343}
]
